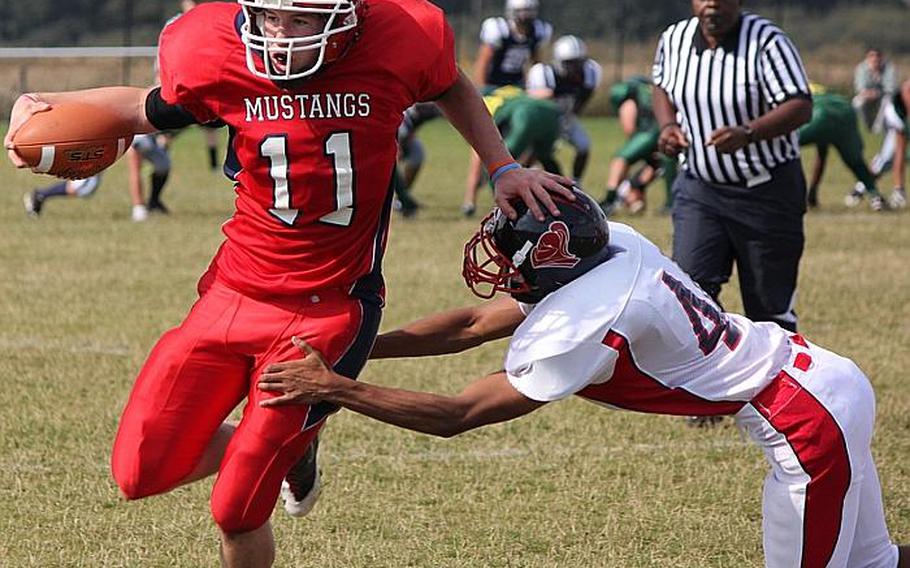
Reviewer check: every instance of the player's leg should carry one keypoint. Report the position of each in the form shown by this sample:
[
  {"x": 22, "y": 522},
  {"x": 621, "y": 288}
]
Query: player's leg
[
  {"x": 158, "y": 157},
  {"x": 639, "y": 147},
  {"x": 410, "y": 163},
  {"x": 211, "y": 143},
  {"x": 631, "y": 192},
  {"x": 814, "y": 423},
  {"x": 578, "y": 138},
  {"x": 872, "y": 545},
  {"x": 849, "y": 145},
  {"x": 269, "y": 441},
  {"x": 35, "y": 199},
  {"x": 893, "y": 125},
  {"x": 412, "y": 160},
  {"x": 186, "y": 388},
  {"x": 545, "y": 133}
]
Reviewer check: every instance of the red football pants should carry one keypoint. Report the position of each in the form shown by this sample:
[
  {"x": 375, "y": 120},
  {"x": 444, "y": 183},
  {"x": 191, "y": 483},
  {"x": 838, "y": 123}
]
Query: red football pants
[{"x": 198, "y": 373}]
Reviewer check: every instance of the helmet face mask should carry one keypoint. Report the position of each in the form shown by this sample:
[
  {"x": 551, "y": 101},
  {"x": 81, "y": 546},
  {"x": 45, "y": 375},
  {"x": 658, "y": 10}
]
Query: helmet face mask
[
  {"x": 486, "y": 270},
  {"x": 529, "y": 259},
  {"x": 339, "y": 19},
  {"x": 521, "y": 12},
  {"x": 569, "y": 53}
]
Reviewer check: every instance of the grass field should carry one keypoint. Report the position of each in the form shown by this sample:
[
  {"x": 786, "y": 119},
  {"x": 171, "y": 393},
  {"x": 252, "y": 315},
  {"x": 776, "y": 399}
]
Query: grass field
[{"x": 84, "y": 293}]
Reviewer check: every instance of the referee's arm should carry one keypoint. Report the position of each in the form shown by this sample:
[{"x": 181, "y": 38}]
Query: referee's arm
[
  {"x": 783, "y": 84},
  {"x": 672, "y": 139},
  {"x": 784, "y": 119}
]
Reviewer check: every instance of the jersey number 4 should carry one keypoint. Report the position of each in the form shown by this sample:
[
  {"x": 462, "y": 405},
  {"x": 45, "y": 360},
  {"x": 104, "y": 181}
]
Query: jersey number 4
[
  {"x": 337, "y": 147},
  {"x": 697, "y": 308}
]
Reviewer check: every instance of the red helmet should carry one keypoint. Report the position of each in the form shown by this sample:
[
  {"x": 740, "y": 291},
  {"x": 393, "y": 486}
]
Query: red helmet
[{"x": 529, "y": 258}]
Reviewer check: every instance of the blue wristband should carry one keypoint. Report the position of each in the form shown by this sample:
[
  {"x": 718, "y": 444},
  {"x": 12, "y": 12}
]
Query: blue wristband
[{"x": 501, "y": 170}]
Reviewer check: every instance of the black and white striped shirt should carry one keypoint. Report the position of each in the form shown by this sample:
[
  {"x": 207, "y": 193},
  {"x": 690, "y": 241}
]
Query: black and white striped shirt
[{"x": 753, "y": 70}]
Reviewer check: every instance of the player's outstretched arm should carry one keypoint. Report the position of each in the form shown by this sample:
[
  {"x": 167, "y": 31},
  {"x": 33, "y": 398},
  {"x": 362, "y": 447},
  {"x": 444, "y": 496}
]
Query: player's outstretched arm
[
  {"x": 451, "y": 331},
  {"x": 129, "y": 102},
  {"x": 464, "y": 108},
  {"x": 307, "y": 381}
]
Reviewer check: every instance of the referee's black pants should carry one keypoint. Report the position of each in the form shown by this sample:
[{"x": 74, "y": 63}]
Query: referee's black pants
[{"x": 760, "y": 228}]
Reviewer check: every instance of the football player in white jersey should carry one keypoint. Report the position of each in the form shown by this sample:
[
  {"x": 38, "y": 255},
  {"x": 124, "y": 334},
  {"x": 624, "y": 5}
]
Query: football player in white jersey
[
  {"x": 508, "y": 44},
  {"x": 569, "y": 81},
  {"x": 636, "y": 333}
]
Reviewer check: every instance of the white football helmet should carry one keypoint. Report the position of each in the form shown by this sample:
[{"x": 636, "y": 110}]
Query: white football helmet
[
  {"x": 569, "y": 48},
  {"x": 521, "y": 10},
  {"x": 341, "y": 18}
]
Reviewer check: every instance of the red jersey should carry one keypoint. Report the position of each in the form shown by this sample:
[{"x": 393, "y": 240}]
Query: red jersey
[{"x": 313, "y": 160}]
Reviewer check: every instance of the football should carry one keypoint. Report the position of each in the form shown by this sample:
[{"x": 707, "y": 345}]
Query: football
[{"x": 72, "y": 140}]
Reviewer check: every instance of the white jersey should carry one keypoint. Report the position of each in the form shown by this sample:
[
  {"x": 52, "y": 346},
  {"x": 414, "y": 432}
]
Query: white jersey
[
  {"x": 569, "y": 93},
  {"x": 637, "y": 333}
]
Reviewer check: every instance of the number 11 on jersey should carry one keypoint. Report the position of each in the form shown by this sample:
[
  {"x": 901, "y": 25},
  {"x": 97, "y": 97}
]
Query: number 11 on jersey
[{"x": 338, "y": 148}]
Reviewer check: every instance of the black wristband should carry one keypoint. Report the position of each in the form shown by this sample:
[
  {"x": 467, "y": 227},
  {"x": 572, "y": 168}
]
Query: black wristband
[{"x": 165, "y": 116}]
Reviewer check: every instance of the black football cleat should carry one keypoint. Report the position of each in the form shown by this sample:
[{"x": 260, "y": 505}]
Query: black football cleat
[{"x": 300, "y": 488}]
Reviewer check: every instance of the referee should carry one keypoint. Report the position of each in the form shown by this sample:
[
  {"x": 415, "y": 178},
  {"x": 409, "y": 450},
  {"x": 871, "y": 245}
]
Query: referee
[{"x": 730, "y": 93}]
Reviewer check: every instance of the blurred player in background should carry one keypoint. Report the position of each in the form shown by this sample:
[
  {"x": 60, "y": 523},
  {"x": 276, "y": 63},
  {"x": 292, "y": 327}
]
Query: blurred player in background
[
  {"x": 896, "y": 119},
  {"x": 35, "y": 199},
  {"x": 530, "y": 128},
  {"x": 313, "y": 95},
  {"x": 874, "y": 82},
  {"x": 893, "y": 153},
  {"x": 411, "y": 154},
  {"x": 148, "y": 148},
  {"x": 597, "y": 311},
  {"x": 508, "y": 44},
  {"x": 631, "y": 99},
  {"x": 834, "y": 124},
  {"x": 569, "y": 81}
]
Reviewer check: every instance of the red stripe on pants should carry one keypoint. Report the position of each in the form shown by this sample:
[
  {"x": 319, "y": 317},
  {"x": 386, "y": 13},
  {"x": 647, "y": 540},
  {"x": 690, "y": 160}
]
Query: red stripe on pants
[{"x": 819, "y": 445}]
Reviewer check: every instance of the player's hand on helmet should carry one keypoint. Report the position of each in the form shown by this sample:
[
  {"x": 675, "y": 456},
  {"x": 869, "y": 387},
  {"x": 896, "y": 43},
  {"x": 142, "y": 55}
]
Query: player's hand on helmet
[
  {"x": 26, "y": 106},
  {"x": 672, "y": 140},
  {"x": 534, "y": 187},
  {"x": 301, "y": 381}
]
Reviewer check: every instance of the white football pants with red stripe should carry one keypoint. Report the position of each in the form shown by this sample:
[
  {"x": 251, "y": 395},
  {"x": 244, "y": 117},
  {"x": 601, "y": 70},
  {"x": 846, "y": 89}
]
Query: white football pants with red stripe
[{"x": 822, "y": 503}]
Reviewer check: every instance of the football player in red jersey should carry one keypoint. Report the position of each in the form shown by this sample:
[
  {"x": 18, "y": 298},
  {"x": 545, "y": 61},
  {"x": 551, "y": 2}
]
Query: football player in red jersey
[{"x": 312, "y": 93}]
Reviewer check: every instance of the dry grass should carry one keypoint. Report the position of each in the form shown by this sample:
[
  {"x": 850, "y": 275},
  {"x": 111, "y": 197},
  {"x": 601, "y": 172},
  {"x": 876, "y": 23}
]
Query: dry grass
[{"x": 84, "y": 293}]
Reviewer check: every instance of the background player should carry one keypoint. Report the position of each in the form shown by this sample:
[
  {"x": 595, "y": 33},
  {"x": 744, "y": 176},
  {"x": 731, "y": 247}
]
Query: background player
[
  {"x": 598, "y": 311},
  {"x": 569, "y": 81},
  {"x": 900, "y": 105},
  {"x": 632, "y": 101},
  {"x": 411, "y": 154},
  {"x": 530, "y": 127},
  {"x": 313, "y": 112},
  {"x": 34, "y": 200},
  {"x": 508, "y": 44},
  {"x": 147, "y": 147},
  {"x": 834, "y": 123}
]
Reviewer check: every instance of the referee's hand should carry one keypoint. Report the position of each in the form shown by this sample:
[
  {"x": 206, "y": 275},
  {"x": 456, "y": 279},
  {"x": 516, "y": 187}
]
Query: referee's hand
[
  {"x": 729, "y": 139},
  {"x": 672, "y": 140}
]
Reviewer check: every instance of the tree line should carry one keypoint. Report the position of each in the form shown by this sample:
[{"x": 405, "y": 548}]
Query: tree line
[{"x": 138, "y": 22}]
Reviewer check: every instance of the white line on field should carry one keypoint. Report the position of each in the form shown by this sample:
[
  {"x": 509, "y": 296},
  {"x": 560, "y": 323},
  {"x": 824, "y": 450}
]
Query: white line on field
[
  {"x": 329, "y": 457},
  {"x": 32, "y": 343},
  {"x": 513, "y": 453}
]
